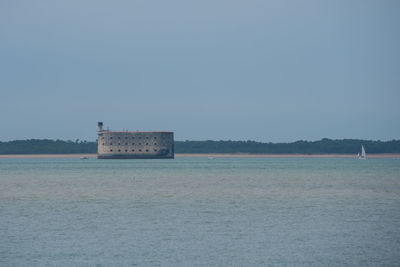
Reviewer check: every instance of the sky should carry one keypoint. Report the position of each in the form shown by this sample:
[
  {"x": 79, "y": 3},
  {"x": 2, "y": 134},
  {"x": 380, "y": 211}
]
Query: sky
[{"x": 270, "y": 71}]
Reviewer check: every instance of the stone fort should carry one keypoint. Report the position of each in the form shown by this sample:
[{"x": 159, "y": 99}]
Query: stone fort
[{"x": 134, "y": 144}]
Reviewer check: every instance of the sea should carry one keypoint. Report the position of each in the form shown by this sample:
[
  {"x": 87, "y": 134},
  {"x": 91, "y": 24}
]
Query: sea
[{"x": 200, "y": 212}]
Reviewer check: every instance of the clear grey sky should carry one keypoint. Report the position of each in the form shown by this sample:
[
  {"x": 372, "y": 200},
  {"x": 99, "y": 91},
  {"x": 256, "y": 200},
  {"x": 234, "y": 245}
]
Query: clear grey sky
[{"x": 259, "y": 70}]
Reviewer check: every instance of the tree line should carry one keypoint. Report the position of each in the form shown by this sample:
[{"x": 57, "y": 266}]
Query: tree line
[{"x": 324, "y": 146}]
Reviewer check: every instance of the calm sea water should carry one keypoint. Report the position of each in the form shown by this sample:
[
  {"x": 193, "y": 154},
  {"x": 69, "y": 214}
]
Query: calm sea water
[{"x": 200, "y": 212}]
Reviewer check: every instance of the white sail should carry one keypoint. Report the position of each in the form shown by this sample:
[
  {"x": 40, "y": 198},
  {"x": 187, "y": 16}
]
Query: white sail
[{"x": 363, "y": 155}]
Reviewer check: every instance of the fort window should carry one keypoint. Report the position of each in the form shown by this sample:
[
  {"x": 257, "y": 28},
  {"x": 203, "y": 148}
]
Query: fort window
[
  {"x": 111, "y": 137},
  {"x": 140, "y": 150},
  {"x": 110, "y": 150},
  {"x": 147, "y": 144},
  {"x": 119, "y": 144},
  {"x": 155, "y": 144},
  {"x": 110, "y": 144},
  {"x": 119, "y": 137},
  {"x": 126, "y": 150},
  {"x": 133, "y": 144},
  {"x": 155, "y": 150},
  {"x": 103, "y": 144},
  {"x": 147, "y": 137},
  {"x": 155, "y": 138},
  {"x": 140, "y": 144},
  {"x": 147, "y": 150},
  {"x": 119, "y": 150},
  {"x": 133, "y": 150}
]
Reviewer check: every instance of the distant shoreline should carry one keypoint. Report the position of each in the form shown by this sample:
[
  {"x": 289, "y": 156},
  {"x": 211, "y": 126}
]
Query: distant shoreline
[
  {"x": 321, "y": 148},
  {"x": 211, "y": 155}
]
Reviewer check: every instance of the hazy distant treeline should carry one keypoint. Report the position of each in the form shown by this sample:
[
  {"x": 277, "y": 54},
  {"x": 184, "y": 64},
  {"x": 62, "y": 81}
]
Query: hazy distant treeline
[
  {"x": 324, "y": 146},
  {"x": 46, "y": 146}
]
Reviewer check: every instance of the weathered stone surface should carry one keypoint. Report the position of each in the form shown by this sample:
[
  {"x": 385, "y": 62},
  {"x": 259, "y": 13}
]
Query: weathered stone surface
[{"x": 134, "y": 145}]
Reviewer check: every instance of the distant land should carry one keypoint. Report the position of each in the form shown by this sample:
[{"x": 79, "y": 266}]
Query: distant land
[{"x": 323, "y": 146}]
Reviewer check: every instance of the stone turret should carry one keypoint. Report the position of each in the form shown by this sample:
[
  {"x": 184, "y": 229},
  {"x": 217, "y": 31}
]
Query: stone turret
[{"x": 100, "y": 125}]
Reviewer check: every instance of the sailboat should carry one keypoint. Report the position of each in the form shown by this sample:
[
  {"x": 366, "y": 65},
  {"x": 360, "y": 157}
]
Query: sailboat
[{"x": 363, "y": 155}]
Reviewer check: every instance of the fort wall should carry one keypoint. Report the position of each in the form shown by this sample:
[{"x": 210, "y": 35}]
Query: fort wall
[{"x": 128, "y": 145}]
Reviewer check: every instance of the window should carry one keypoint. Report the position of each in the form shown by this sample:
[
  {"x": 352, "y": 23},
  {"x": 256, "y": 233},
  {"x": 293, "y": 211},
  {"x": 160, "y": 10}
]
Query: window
[
  {"x": 147, "y": 137},
  {"x": 133, "y": 144},
  {"x": 126, "y": 137},
  {"x": 155, "y": 150},
  {"x": 140, "y": 137},
  {"x": 140, "y": 144},
  {"x": 126, "y": 144},
  {"x": 147, "y": 144},
  {"x": 126, "y": 150},
  {"x": 110, "y": 150},
  {"x": 119, "y": 150},
  {"x": 133, "y": 150},
  {"x": 119, "y": 143},
  {"x": 110, "y": 144},
  {"x": 111, "y": 137},
  {"x": 155, "y": 144},
  {"x": 140, "y": 150},
  {"x": 133, "y": 137},
  {"x": 103, "y": 144},
  {"x": 147, "y": 150},
  {"x": 155, "y": 138},
  {"x": 119, "y": 137}
]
